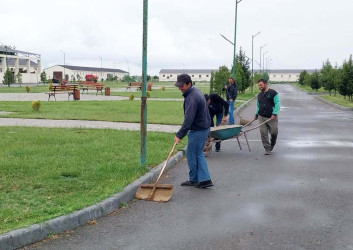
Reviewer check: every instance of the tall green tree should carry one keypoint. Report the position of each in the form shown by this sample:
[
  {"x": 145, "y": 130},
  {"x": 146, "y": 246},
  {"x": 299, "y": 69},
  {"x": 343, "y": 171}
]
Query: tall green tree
[
  {"x": 326, "y": 76},
  {"x": 220, "y": 78},
  {"x": 347, "y": 78},
  {"x": 8, "y": 78},
  {"x": 43, "y": 77},
  {"x": 19, "y": 78},
  {"x": 337, "y": 78},
  {"x": 307, "y": 79},
  {"x": 302, "y": 77},
  {"x": 242, "y": 71},
  {"x": 315, "y": 84}
]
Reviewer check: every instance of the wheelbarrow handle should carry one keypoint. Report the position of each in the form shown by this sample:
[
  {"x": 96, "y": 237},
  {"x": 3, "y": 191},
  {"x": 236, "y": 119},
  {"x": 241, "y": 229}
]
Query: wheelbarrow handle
[{"x": 257, "y": 125}]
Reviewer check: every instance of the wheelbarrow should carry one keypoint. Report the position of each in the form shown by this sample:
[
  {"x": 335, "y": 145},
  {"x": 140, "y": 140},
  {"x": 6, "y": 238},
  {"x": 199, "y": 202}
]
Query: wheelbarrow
[{"x": 227, "y": 132}]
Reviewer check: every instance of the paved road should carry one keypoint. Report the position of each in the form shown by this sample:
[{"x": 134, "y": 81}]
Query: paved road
[{"x": 300, "y": 197}]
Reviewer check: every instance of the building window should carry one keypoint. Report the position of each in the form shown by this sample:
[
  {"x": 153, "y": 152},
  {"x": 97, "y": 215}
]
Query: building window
[
  {"x": 199, "y": 76},
  {"x": 163, "y": 75},
  {"x": 206, "y": 75},
  {"x": 281, "y": 75},
  {"x": 192, "y": 75},
  {"x": 171, "y": 75},
  {"x": 289, "y": 76},
  {"x": 274, "y": 75}
]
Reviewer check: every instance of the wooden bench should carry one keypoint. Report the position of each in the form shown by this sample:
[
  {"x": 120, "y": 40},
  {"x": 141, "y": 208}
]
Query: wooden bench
[
  {"x": 137, "y": 85},
  {"x": 91, "y": 85},
  {"x": 62, "y": 89}
]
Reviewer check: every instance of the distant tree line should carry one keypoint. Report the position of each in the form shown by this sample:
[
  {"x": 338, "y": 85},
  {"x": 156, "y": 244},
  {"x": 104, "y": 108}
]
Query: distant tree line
[
  {"x": 333, "y": 79},
  {"x": 243, "y": 77}
]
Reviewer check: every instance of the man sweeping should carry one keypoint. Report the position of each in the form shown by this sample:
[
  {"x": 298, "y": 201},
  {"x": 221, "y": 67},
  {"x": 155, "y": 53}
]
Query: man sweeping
[{"x": 197, "y": 125}]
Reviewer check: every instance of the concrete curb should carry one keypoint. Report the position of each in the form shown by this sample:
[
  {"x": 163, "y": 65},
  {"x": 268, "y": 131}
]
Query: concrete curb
[
  {"x": 317, "y": 96},
  {"x": 334, "y": 104},
  {"x": 24, "y": 236}
]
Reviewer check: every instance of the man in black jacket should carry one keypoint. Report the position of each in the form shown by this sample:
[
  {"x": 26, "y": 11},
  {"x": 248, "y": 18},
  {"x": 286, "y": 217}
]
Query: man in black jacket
[
  {"x": 218, "y": 108},
  {"x": 231, "y": 94},
  {"x": 196, "y": 124}
]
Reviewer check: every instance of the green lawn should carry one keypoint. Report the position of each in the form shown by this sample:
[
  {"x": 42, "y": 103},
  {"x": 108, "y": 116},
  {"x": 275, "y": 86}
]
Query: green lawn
[
  {"x": 309, "y": 89},
  {"x": 48, "y": 172},
  {"x": 158, "y": 112},
  {"x": 338, "y": 99},
  {"x": 34, "y": 89}
]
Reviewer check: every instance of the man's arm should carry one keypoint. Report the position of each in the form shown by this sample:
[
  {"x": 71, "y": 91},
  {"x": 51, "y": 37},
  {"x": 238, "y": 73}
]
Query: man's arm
[
  {"x": 277, "y": 106},
  {"x": 189, "y": 116}
]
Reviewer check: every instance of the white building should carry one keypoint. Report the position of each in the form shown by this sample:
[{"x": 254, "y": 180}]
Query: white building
[
  {"x": 26, "y": 63},
  {"x": 197, "y": 75},
  {"x": 201, "y": 75},
  {"x": 285, "y": 75},
  {"x": 58, "y": 71}
]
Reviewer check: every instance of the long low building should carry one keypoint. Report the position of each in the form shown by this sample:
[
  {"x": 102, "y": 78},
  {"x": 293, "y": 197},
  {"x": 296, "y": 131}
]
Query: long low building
[
  {"x": 201, "y": 75},
  {"x": 26, "y": 63},
  {"x": 79, "y": 72},
  {"x": 197, "y": 75}
]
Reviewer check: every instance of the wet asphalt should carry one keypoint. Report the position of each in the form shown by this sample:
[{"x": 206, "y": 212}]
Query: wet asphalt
[{"x": 300, "y": 197}]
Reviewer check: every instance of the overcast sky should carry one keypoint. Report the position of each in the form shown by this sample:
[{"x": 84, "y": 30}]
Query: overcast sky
[{"x": 300, "y": 34}]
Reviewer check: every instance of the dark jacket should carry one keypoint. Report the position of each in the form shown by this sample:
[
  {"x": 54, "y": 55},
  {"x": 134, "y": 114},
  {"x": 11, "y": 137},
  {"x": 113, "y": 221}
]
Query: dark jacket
[
  {"x": 217, "y": 105},
  {"x": 196, "y": 114},
  {"x": 268, "y": 103},
  {"x": 231, "y": 91}
]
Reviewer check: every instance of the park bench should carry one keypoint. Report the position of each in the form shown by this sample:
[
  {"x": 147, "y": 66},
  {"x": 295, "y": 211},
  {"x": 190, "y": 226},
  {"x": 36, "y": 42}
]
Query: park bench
[
  {"x": 138, "y": 85},
  {"x": 91, "y": 85},
  {"x": 63, "y": 89}
]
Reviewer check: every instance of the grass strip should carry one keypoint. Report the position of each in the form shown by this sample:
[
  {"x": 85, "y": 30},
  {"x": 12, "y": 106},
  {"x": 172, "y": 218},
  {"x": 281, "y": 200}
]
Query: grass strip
[{"x": 48, "y": 172}]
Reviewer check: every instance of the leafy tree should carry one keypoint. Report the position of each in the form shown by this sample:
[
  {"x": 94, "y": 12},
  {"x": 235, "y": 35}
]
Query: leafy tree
[
  {"x": 347, "y": 78},
  {"x": 220, "y": 78},
  {"x": 337, "y": 78},
  {"x": 302, "y": 77},
  {"x": 326, "y": 77},
  {"x": 156, "y": 77},
  {"x": 43, "y": 77},
  {"x": 307, "y": 79},
  {"x": 8, "y": 78},
  {"x": 242, "y": 71},
  {"x": 128, "y": 78},
  {"x": 19, "y": 78},
  {"x": 315, "y": 84}
]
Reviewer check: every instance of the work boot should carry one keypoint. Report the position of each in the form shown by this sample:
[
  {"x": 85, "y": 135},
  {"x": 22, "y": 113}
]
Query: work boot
[
  {"x": 204, "y": 184},
  {"x": 189, "y": 183},
  {"x": 267, "y": 152}
]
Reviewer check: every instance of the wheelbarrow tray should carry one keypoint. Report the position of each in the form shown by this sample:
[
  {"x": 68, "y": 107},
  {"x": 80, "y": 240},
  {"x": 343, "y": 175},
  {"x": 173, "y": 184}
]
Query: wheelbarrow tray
[{"x": 225, "y": 132}]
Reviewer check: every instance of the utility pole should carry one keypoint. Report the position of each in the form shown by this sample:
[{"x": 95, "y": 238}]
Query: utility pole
[
  {"x": 235, "y": 36},
  {"x": 260, "y": 54},
  {"x": 64, "y": 64},
  {"x": 252, "y": 60},
  {"x": 143, "y": 123}
]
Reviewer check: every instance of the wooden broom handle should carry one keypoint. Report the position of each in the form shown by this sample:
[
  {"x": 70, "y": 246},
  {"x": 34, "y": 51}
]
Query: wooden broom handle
[{"x": 165, "y": 164}]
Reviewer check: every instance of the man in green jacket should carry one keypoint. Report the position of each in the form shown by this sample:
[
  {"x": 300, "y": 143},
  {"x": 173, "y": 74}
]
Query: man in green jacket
[{"x": 268, "y": 106}]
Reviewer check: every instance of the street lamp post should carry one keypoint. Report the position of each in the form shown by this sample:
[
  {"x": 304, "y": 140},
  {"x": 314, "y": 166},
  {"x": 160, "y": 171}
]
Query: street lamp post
[
  {"x": 235, "y": 35},
  {"x": 260, "y": 54},
  {"x": 263, "y": 61},
  {"x": 252, "y": 60},
  {"x": 64, "y": 64},
  {"x": 101, "y": 65},
  {"x": 268, "y": 59}
]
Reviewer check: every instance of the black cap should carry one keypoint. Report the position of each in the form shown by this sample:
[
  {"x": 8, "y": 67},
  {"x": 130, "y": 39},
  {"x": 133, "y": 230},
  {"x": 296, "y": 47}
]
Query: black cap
[{"x": 182, "y": 79}]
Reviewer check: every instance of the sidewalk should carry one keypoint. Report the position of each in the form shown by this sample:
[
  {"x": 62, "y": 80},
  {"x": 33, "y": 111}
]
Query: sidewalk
[{"x": 85, "y": 124}]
